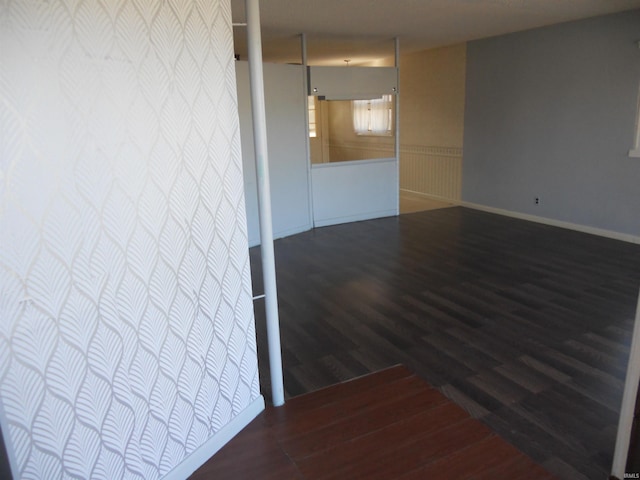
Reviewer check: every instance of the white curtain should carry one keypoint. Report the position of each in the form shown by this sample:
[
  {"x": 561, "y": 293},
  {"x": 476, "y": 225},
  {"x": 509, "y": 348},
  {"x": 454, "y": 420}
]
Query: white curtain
[
  {"x": 361, "y": 116},
  {"x": 373, "y": 117}
]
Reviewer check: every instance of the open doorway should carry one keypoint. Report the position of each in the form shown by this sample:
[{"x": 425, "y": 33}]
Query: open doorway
[{"x": 432, "y": 87}]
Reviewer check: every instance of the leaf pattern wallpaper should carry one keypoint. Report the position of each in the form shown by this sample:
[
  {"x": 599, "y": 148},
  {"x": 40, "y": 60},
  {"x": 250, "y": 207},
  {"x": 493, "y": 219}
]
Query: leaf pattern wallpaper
[{"x": 126, "y": 321}]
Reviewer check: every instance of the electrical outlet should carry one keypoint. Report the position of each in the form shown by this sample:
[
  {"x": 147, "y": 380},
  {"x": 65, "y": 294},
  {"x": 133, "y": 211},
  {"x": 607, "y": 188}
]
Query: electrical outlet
[{"x": 537, "y": 200}]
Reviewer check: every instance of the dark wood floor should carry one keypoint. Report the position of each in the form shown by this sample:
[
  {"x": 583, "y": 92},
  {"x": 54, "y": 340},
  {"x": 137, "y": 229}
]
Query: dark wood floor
[
  {"x": 386, "y": 425},
  {"x": 525, "y": 326}
]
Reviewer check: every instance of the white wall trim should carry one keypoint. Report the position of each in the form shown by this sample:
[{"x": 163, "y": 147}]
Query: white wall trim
[
  {"x": 254, "y": 242},
  {"x": 355, "y": 218},
  {"x": 635, "y": 153},
  {"x": 292, "y": 231},
  {"x": 625, "y": 237},
  {"x": 198, "y": 458}
]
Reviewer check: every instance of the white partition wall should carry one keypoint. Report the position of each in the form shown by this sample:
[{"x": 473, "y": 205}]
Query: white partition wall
[
  {"x": 127, "y": 344},
  {"x": 352, "y": 191},
  {"x": 339, "y": 192},
  {"x": 286, "y": 119}
]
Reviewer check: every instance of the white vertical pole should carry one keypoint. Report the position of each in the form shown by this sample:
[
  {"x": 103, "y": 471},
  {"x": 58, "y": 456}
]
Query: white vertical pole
[
  {"x": 305, "y": 76},
  {"x": 628, "y": 402},
  {"x": 264, "y": 196},
  {"x": 397, "y": 119}
]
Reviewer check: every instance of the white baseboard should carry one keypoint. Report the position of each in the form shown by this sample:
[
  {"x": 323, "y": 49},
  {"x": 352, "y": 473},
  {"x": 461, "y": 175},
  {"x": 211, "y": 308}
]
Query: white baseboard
[
  {"x": 254, "y": 242},
  {"x": 325, "y": 222},
  {"x": 215, "y": 443},
  {"x": 625, "y": 237}
]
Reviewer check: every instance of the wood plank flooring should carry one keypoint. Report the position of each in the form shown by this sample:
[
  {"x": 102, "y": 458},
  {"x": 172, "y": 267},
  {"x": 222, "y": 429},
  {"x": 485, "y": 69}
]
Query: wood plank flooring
[
  {"x": 525, "y": 326},
  {"x": 386, "y": 425}
]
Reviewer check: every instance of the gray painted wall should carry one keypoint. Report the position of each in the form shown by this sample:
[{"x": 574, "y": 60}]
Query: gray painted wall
[{"x": 551, "y": 113}]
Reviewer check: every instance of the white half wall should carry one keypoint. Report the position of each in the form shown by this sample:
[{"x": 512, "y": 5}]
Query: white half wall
[
  {"x": 353, "y": 191},
  {"x": 285, "y": 106},
  {"x": 127, "y": 341}
]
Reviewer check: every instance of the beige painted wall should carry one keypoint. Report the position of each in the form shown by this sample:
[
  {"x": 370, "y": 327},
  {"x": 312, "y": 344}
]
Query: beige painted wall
[
  {"x": 432, "y": 86},
  {"x": 432, "y": 102},
  {"x": 432, "y": 89}
]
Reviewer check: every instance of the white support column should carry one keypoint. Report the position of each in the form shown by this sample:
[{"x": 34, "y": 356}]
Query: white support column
[
  {"x": 397, "y": 116},
  {"x": 628, "y": 402},
  {"x": 305, "y": 77},
  {"x": 256, "y": 77}
]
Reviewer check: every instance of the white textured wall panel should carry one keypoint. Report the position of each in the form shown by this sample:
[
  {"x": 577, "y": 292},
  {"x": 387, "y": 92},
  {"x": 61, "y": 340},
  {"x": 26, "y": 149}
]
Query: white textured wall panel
[{"x": 126, "y": 335}]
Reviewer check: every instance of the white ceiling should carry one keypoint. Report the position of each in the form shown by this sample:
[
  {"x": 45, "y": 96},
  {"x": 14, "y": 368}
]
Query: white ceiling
[{"x": 363, "y": 30}]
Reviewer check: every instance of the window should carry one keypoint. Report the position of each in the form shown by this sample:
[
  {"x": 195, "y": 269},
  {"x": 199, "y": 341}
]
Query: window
[
  {"x": 313, "y": 132},
  {"x": 373, "y": 117}
]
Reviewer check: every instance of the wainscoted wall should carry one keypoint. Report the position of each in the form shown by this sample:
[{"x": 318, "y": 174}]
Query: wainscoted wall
[
  {"x": 126, "y": 324},
  {"x": 433, "y": 171}
]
